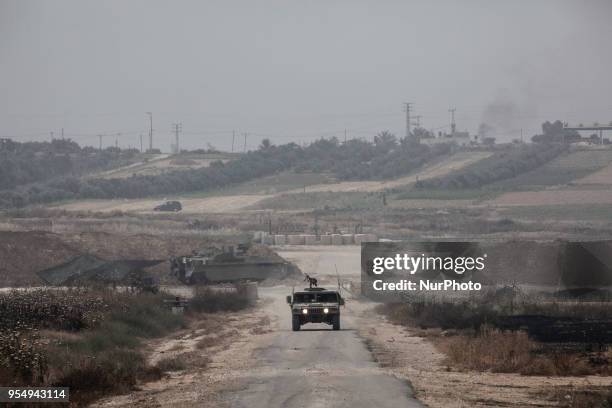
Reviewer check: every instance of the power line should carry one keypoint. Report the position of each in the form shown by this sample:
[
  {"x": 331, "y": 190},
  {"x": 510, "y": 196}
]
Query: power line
[
  {"x": 177, "y": 127},
  {"x": 407, "y": 107},
  {"x": 452, "y": 124},
  {"x": 150, "y": 130}
]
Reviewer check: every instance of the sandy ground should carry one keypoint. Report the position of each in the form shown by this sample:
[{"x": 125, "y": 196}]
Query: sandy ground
[
  {"x": 159, "y": 164},
  {"x": 432, "y": 204},
  {"x": 408, "y": 356},
  {"x": 210, "y": 370},
  {"x": 220, "y": 204},
  {"x": 234, "y": 203},
  {"x": 553, "y": 197}
]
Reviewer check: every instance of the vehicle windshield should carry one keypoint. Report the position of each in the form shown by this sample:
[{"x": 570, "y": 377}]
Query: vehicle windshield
[
  {"x": 327, "y": 297},
  {"x": 314, "y": 297}
]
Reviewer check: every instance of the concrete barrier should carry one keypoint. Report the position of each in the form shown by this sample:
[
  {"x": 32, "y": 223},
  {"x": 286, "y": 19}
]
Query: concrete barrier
[
  {"x": 295, "y": 239},
  {"x": 280, "y": 240},
  {"x": 336, "y": 239},
  {"x": 310, "y": 239},
  {"x": 325, "y": 240},
  {"x": 359, "y": 238},
  {"x": 347, "y": 239}
]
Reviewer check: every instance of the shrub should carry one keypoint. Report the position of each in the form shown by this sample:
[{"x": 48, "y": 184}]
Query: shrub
[
  {"x": 211, "y": 301},
  {"x": 176, "y": 363}
]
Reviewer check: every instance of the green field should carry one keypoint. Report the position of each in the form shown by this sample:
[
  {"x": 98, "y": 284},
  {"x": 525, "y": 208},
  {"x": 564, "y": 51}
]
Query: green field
[
  {"x": 447, "y": 194},
  {"x": 561, "y": 170},
  {"x": 586, "y": 212}
]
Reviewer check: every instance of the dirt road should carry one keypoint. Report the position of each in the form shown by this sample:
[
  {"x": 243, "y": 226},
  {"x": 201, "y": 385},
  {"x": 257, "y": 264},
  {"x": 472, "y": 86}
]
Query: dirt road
[
  {"x": 316, "y": 367},
  {"x": 262, "y": 363}
]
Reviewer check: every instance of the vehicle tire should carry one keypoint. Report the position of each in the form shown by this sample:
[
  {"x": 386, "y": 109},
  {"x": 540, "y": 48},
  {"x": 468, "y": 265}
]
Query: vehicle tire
[
  {"x": 295, "y": 323},
  {"x": 336, "y": 322}
]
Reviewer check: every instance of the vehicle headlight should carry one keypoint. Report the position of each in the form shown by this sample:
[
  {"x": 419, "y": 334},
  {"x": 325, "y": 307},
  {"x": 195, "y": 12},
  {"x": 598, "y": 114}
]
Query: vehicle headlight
[
  {"x": 326, "y": 310},
  {"x": 305, "y": 311}
]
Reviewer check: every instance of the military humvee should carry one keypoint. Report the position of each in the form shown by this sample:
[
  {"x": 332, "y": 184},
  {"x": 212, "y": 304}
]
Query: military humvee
[{"x": 315, "y": 305}]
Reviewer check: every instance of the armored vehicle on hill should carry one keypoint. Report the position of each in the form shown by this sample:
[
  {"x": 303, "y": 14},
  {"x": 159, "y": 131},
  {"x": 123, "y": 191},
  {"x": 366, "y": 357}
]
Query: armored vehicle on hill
[{"x": 174, "y": 206}]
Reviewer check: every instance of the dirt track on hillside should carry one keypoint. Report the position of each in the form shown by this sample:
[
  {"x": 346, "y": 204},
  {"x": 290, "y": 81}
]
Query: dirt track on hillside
[
  {"x": 554, "y": 197},
  {"x": 603, "y": 176},
  {"x": 162, "y": 163},
  {"x": 446, "y": 166},
  {"x": 236, "y": 203}
]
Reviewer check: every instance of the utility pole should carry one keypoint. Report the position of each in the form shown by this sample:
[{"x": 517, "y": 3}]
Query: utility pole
[
  {"x": 245, "y": 136},
  {"x": 141, "y": 143},
  {"x": 150, "y": 130},
  {"x": 51, "y": 135},
  {"x": 453, "y": 126},
  {"x": 178, "y": 127},
  {"x": 62, "y": 133},
  {"x": 418, "y": 120},
  {"x": 233, "y": 138},
  {"x": 100, "y": 136},
  {"x": 408, "y": 106}
]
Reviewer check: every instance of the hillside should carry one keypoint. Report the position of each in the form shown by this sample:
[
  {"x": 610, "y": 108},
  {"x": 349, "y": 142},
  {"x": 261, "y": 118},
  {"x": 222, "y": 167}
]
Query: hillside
[{"x": 384, "y": 158}]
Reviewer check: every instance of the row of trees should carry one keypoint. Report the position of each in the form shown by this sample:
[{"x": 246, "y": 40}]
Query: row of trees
[
  {"x": 31, "y": 162},
  {"x": 501, "y": 165},
  {"x": 385, "y": 157},
  {"x": 554, "y": 132}
]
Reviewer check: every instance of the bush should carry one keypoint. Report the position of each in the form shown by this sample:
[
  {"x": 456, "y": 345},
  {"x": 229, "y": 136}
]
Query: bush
[
  {"x": 490, "y": 350},
  {"x": 64, "y": 310},
  {"x": 211, "y": 301},
  {"x": 511, "y": 352},
  {"x": 176, "y": 363}
]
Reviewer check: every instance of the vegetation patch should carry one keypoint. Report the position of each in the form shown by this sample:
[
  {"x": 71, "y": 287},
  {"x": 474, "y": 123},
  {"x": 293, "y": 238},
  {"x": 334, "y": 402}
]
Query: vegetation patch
[
  {"x": 451, "y": 194},
  {"x": 563, "y": 169},
  {"x": 90, "y": 340},
  {"x": 206, "y": 300},
  {"x": 506, "y": 163},
  {"x": 476, "y": 334}
]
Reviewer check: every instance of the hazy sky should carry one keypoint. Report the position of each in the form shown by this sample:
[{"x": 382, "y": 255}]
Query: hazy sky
[{"x": 298, "y": 70}]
